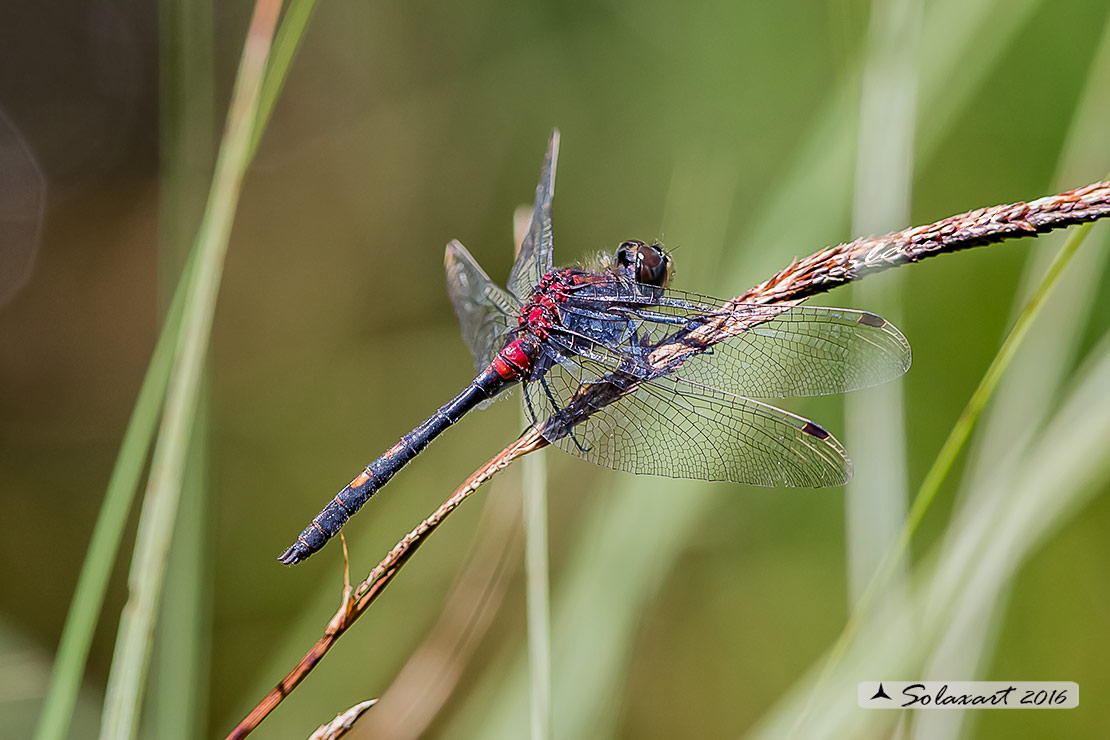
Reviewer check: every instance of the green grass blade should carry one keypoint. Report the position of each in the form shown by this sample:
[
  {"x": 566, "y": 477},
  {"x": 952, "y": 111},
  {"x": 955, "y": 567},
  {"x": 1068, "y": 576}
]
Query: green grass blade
[
  {"x": 187, "y": 150},
  {"x": 951, "y": 449},
  {"x": 183, "y": 638},
  {"x": 1026, "y": 395},
  {"x": 978, "y": 401},
  {"x": 131, "y": 658},
  {"x": 81, "y": 620},
  {"x": 1029, "y": 498}
]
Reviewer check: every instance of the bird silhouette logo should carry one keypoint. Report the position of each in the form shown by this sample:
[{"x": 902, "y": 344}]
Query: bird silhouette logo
[{"x": 880, "y": 694}]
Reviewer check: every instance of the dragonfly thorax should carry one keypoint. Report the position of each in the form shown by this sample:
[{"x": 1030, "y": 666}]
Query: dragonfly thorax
[
  {"x": 541, "y": 311},
  {"x": 575, "y": 311}
]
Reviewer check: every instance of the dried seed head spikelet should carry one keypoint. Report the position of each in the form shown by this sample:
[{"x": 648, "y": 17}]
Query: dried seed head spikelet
[{"x": 835, "y": 266}]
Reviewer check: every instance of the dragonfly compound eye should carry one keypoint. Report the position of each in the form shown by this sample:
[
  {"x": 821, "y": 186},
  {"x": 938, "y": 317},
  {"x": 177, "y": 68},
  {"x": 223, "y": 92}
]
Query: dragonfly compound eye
[{"x": 653, "y": 266}]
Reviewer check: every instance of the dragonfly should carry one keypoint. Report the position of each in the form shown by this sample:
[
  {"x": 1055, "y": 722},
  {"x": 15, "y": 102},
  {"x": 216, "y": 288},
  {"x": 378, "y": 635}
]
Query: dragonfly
[{"x": 581, "y": 341}]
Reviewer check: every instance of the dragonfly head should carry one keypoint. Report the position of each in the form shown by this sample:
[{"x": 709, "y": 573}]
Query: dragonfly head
[{"x": 648, "y": 264}]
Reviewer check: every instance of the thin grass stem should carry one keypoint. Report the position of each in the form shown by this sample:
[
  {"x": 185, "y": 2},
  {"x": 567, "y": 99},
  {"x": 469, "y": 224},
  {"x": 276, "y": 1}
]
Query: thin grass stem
[
  {"x": 131, "y": 658},
  {"x": 187, "y": 147},
  {"x": 72, "y": 655},
  {"x": 538, "y": 590}
]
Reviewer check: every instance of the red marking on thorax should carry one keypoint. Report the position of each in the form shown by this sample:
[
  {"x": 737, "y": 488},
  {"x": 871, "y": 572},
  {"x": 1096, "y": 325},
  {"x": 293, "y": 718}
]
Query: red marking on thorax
[
  {"x": 539, "y": 314},
  {"x": 587, "y": 278},
  {"x": 541, "y": 310}
]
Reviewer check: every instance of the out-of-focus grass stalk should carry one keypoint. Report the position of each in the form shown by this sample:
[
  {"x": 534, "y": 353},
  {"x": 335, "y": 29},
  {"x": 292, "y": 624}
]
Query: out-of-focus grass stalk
[
  {"x": 131, "y": 658},
  {"x": 1024, "y": 398},
  {"x": 187, "y": 148},
  {"x": 948, "y": 453},
  {"x": 88, "y": 599},
  {"x": 964, "y": 39},
  {"x": 1029, "y": 497},
  {"x": 876, "y": 498},
  {"x": 956, "y": 439},
  {"x": 983, "y": 392},
  {"x": 182, "y": 641},
  {"x": 536, "y": 573}
]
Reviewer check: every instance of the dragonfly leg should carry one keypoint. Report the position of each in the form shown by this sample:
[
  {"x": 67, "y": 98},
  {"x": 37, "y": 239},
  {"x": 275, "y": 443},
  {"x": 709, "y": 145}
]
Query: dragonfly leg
[
  {"x": 555, "y": 405},
  {"x": 528, "y": 404}
]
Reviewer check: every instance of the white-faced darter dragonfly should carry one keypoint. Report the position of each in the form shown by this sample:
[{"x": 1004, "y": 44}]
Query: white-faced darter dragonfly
[{"x": 578, "y": 340}]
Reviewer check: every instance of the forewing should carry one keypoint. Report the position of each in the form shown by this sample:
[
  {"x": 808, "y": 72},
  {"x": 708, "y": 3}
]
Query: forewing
[
  {"x": 783, "y": 351},
  {"x": 486, "y": 312},
  {"x": 803, "y": 351},
  {"x": 671, "y": 427},
  {"x": 534, "y": 259}
]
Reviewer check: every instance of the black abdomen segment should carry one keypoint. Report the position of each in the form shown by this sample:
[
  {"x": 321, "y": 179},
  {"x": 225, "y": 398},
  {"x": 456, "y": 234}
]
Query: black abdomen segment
[{"x": 329, "y": 521}]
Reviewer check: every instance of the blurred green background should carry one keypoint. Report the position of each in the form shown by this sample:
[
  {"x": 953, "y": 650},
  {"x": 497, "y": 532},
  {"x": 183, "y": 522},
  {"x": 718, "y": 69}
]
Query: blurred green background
[{"x": 727, "y": 130}]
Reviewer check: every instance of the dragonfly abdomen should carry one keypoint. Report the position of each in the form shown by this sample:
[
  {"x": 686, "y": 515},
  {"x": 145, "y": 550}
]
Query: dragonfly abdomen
[{"x": 506, "y": 368}]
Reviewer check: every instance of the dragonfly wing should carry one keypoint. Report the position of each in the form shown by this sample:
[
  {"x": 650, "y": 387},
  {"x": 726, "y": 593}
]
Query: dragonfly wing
[
  {"x": 487, "y": 314},
  {"x": 534, "y": 259},
  {"x": 802, "y": 351},
  {"x": 783, "y": 351},
  {"x": 671, "y": 427}
]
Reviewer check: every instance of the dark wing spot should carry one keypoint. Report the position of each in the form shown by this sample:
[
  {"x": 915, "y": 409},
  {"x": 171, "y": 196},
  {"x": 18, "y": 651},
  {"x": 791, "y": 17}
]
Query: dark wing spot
[
  {"x": 870, "y": 319},
  {"x": 814, "y": 431}
]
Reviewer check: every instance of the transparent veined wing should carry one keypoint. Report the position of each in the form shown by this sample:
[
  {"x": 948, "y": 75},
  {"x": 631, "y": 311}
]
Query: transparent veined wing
[
  {"x": 783, "y": 351},
  {"x": 803, "y": 351},
  {"x": 486, "y": 312},
  {"x": 670, "y": 427},
  {"x": 535, "y": 252}
]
